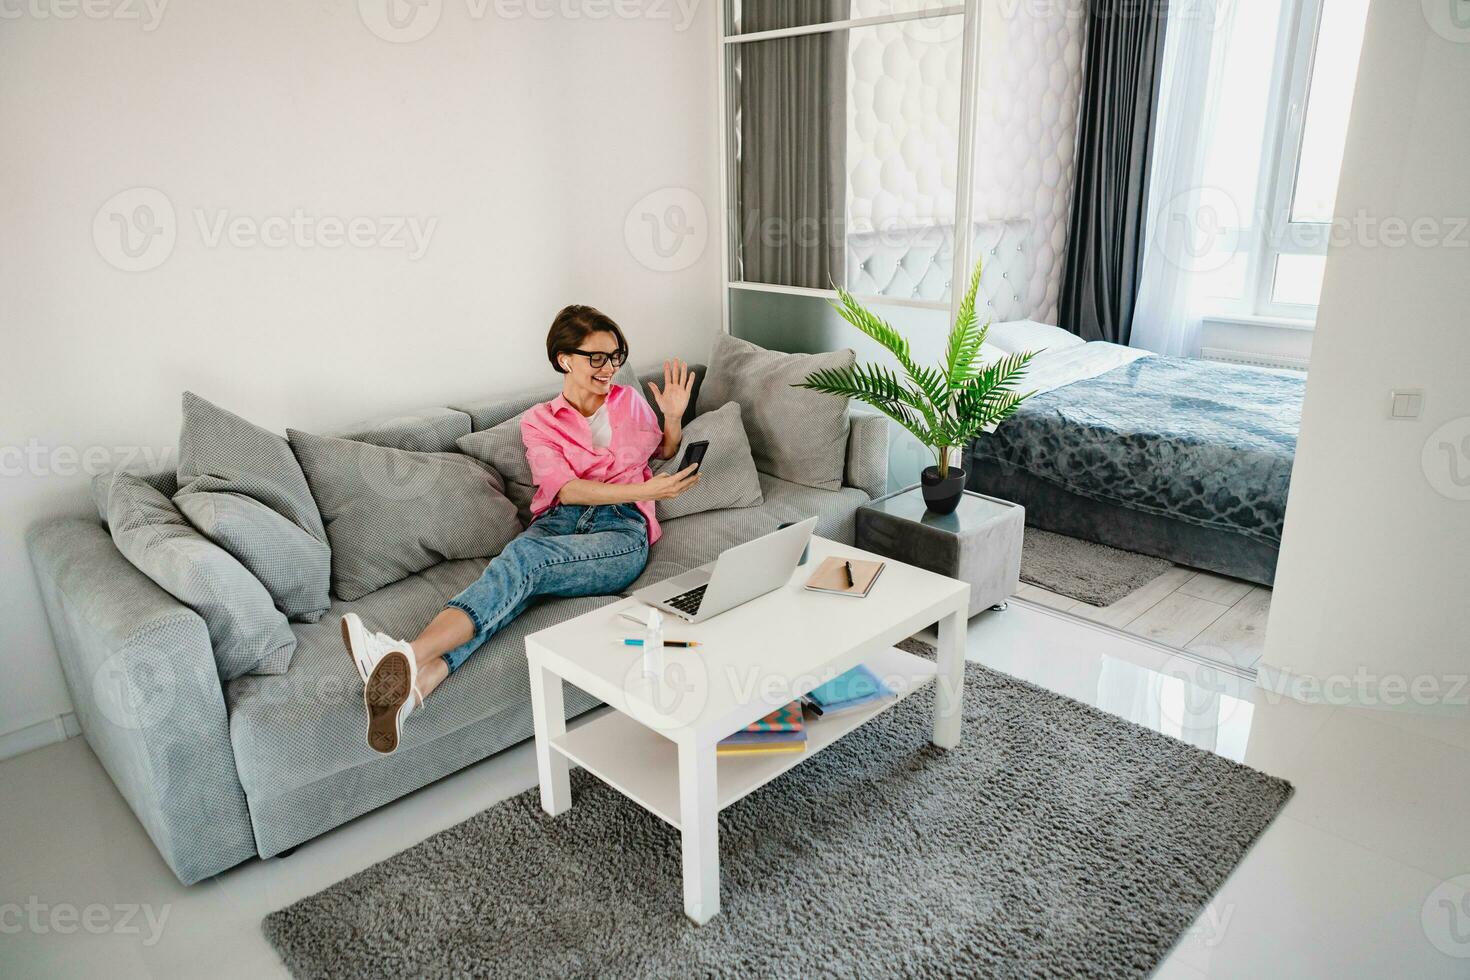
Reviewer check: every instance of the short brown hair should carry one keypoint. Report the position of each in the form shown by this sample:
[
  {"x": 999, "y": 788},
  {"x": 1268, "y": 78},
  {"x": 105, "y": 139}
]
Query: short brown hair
[{"x": 573, "y": 325}]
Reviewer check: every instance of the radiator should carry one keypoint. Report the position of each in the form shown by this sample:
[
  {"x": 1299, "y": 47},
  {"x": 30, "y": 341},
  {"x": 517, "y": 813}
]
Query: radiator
[{"x": 1253, "y": 359}]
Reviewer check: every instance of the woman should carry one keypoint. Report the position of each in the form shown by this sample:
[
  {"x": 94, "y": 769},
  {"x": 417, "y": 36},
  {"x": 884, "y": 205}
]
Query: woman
[{"x": 592, "y": 516}]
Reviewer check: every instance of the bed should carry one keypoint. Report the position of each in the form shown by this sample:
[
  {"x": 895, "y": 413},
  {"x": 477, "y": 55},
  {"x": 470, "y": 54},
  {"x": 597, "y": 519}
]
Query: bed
[{"x": 1184, "y": 459}]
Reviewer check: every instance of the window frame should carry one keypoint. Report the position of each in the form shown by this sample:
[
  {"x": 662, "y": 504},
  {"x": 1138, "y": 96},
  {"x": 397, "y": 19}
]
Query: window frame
[{"x": 1279, "y": 235}]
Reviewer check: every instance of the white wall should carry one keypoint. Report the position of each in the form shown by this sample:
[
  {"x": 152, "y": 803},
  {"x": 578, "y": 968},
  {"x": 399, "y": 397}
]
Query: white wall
[
  {"x": 1374, "y": 580},
  {"x": 528, "y": 139}
]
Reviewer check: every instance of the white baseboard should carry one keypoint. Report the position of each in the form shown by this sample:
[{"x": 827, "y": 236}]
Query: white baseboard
[{"x": 35, "y": 736}]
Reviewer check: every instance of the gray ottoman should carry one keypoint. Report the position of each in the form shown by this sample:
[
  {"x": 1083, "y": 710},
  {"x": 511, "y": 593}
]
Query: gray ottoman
[{"x": 979, "y": 543}]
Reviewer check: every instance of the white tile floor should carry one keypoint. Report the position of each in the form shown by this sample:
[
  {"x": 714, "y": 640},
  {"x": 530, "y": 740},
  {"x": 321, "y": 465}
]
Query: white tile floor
[{"x": 1355, "y": 879}]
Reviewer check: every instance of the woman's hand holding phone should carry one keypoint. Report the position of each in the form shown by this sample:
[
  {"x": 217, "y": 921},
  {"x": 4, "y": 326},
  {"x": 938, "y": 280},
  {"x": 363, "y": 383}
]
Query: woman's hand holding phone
[{"x": 667, "y": 486}]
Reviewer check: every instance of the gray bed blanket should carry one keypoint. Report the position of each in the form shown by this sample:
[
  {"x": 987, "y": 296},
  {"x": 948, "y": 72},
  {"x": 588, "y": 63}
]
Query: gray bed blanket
[{"x": 1204, "y": 443}]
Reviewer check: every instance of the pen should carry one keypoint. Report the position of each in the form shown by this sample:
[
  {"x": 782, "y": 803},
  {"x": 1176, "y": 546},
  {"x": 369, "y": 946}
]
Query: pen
[
  {"x": 667, "y": 643},
  {"x": 847, "y": 567}
]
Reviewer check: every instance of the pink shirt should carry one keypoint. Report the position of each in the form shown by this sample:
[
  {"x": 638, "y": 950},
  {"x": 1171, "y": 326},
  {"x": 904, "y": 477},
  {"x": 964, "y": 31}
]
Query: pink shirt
[{"x": 559, "y": 448}]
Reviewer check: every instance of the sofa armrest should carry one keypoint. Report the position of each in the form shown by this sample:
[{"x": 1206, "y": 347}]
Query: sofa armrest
[
  {"x": 867, "y": 454},
  {"x": 147, "y": 694}
]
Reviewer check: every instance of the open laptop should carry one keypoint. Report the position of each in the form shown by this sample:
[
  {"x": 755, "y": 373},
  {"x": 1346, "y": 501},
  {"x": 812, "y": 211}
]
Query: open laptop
[{"x": 740, "y": 574}]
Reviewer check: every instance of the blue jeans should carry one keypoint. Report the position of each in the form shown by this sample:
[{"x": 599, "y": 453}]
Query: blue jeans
[{"x": 571, "y": 550}]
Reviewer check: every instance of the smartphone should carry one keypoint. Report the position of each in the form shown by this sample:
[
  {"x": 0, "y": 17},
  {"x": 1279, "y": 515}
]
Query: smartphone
[{"x": 694, "y": 454}]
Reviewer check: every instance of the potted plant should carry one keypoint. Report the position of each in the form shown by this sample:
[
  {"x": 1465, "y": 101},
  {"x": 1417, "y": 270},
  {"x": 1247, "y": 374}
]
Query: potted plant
[{"x": 945, "y": 407}]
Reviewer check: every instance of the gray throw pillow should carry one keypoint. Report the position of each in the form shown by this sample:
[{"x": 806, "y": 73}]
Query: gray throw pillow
[
  {"x": 221, "y": 452},
  {"x": 294, "y": 567},
  {"x": 502, "y": 447},
  {"x": 248, "y": 633},
  {"x": 390, "y": 512},
  {"x": 795, "y": 434},
  {"x": 727, "y": 477}
]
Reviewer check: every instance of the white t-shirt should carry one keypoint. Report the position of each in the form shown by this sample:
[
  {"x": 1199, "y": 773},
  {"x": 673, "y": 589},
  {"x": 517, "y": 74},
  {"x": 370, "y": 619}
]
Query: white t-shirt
[{"x": 601, "y": 428}]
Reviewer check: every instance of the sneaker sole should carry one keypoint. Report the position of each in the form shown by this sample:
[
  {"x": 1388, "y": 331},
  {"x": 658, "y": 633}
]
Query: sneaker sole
[{"x": 384, "y": 695}]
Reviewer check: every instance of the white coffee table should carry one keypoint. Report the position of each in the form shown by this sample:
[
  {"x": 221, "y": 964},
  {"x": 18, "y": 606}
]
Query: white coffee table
[{"x": 657, "y": 745}]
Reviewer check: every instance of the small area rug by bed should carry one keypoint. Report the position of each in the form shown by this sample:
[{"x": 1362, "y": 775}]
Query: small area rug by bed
[
  {"x": 1057, "y": 841},
  {"x": 1095, "y": 573}
]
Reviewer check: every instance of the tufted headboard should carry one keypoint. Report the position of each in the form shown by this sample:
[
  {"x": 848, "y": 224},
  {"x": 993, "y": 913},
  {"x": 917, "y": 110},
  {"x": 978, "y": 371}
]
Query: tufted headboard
[{"x": 915, "y": 263}]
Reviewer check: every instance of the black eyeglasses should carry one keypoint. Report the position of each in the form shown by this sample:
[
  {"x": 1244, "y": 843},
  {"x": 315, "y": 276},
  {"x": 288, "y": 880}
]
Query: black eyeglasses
[{"x": 598, "y": 358}]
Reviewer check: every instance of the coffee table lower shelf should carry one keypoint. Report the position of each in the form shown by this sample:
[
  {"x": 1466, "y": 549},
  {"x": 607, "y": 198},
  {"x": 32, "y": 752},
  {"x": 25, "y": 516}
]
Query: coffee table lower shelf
[{"x": 643, "y": 765}]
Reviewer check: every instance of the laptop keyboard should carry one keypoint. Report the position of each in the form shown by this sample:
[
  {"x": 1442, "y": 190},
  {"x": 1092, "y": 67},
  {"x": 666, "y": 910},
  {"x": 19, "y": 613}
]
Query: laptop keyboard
[{"x": 688, "y": 602}]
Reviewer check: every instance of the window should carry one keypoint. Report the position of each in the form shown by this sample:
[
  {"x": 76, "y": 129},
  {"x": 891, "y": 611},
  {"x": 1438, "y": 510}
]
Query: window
[{"x": 1277, "y": 253}]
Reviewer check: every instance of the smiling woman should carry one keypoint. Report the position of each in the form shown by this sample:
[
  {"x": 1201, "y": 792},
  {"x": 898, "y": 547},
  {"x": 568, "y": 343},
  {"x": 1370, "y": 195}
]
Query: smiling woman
[{"x": 592, "y": 525}]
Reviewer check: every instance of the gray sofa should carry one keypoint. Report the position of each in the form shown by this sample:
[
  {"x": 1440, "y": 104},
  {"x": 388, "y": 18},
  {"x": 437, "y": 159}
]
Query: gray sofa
[{"x": 220, "y": 773}]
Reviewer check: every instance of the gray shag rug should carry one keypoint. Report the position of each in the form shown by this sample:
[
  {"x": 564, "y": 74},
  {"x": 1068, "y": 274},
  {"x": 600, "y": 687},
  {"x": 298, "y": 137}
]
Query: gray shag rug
[
  {"x": 1056, "y": 841},
  {"x": 1094, "y": 573}
]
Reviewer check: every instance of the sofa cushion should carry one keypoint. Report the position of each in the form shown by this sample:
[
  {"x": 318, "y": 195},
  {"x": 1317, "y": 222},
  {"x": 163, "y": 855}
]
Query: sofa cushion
[
  {"x": 391, "y": 512},
  {"x": 220, "y": 451},
  {"x": 294, "y": 730},
  {"x": 727, "y": 477},
  {"x": 428, "y": 430},
  {"x": 294, "y": 567},
  {"x": 162, "y": 477},
  {"x": 699, "y": 538},
  {"x": 246, "y": 631},
  {"x": 795, "y": 434},
  {"x": 502, "y": 447}
]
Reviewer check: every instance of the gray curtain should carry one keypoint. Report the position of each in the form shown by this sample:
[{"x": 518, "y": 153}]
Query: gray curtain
[
  {"x": 1125, "y": 44},
  {"x": 791, "y": 174}
]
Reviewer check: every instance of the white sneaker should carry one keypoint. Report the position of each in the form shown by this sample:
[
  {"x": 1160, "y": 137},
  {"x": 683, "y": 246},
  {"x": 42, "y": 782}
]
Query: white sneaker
[
  {"x": 390, "y": 695},
  {"x": 366, "y": 648}
]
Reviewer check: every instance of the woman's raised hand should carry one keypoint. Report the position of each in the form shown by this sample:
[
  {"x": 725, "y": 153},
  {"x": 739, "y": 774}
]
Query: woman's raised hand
[
  {"x": 667, "y": 486},
  {"x": 678, "y": 387}
]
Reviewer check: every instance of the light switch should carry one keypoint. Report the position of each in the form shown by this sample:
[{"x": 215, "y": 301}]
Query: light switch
[{"x": 1407, "y": 404}]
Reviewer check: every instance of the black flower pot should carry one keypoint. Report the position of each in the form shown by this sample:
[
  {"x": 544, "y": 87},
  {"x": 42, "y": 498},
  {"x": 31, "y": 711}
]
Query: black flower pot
[{"x": 942, "y": 496}]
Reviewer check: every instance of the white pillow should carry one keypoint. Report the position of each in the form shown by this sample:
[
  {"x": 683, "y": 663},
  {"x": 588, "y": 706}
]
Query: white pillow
[
  {"x": 989, "y": 353},
  {"x": 1019, "y": 335}
]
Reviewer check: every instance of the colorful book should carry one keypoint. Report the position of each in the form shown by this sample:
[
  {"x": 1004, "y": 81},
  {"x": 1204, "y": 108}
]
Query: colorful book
[
  {"x": 850, "y": 691},
  {"x": 783, "y": 730},
  {"x": 765, "y": 749},
  {"x": 784, "y": 719},
  {"x": 763, "y": 738}
]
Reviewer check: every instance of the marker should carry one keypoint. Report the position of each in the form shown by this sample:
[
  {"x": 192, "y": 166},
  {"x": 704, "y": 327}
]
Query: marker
[{"x": 667, "y": 643}]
